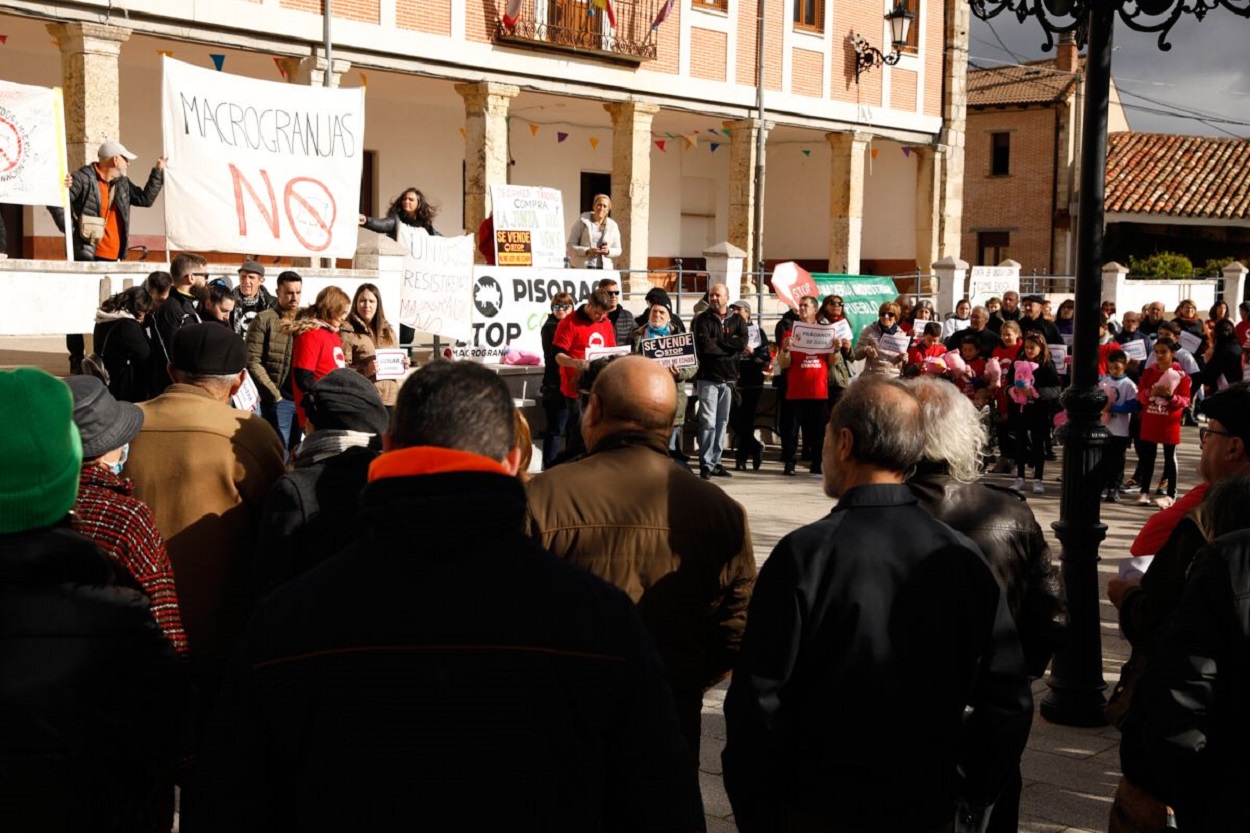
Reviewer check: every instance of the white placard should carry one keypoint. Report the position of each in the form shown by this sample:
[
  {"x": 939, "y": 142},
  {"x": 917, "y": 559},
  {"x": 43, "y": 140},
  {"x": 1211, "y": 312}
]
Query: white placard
[
  {"x": 814, "y": 338},
  {"x": 754, "y": 337},
  {"x": 594, "y": 353},
  {"x": 1190, "y": 341},
  {"x": 533, "y": 209},
  {"x": 248, "y": 397},
  {"x": 262, "y": 167},
  {"x": 437, "y": 293},
  {"x": 391, "y": 363},
  {"x": 1135, "y": 349},
  {"x": 985, "y": 282},
  {"x": 1067, "y": 339},
  {"x": 897, "y": 343},
  {"x": 842, "y": 329},
  {"x": 671, "y": 351},
  {"x": 32, "y": 145},
  {"x": 1058, "y": 355}
]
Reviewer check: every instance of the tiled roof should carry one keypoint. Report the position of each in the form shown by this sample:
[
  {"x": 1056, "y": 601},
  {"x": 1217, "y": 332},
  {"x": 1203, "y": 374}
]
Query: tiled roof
[
  {"x": 1038, "y": 82},
  {"x": 1178, "y": 176}
]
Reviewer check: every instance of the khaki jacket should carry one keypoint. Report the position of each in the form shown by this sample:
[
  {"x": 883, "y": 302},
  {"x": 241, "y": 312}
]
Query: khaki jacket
[
  {"x": 359, "y": 347},
  {"x": 269, "y": 346},
  {"x": 680, "y": 547},
  {"x": 205, "y": 468}
]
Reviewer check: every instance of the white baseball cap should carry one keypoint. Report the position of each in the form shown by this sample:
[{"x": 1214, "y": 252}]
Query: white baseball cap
[{"x": 110, "y": 149}]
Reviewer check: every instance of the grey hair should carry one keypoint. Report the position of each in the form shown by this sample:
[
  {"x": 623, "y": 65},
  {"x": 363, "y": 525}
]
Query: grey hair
[
  {"x": 207, "y": 380},
  {"x": 953, "y": 431},
  {"x": 885, "y": 430}
]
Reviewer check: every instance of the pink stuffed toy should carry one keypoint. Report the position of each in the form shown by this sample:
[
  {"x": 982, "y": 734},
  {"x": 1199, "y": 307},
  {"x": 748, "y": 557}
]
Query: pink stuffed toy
[
  {"x": 934, "y": 366},
  {"x": 512, "y": 355},
  {"x": 993, "y": 376},
  {"x": 1022, "y": 391},
  {"x": 955, "y": 364},
  {"x": 1169, "y": 379}
]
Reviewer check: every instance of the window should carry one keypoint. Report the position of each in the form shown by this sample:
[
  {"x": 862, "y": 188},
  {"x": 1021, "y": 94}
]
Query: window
[
  {"x": 368, "y": 181},
  {"x": 718, "y": 5},
  {"x": 810, "y": 15},
  {"x": 1000, "y": 154},
  {"x": 913, "y": 35},
  {"x": 593, "y": 183},
  {"x": 993, "y": 247}
]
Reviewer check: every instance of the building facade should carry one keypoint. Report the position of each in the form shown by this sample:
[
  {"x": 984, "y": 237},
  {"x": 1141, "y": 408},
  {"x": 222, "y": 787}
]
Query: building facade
[{"x": 653, "y": 104}]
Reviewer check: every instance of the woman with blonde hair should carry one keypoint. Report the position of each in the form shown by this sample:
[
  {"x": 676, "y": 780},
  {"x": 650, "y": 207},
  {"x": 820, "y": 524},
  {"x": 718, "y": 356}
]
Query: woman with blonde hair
[
  {"x": 364, "y": 333},
  {"x": 595, "y": 238},
  {"x": 317, "y": 348}
]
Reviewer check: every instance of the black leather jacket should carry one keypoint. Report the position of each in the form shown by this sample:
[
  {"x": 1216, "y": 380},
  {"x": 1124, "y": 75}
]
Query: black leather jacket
[{"x": 1001, "y": 523}]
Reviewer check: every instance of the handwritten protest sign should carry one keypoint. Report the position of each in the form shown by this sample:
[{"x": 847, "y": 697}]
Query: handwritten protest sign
[
  {"x": 793, "y": 283},
  {"x": 985, "y": 282},
  {"x": 1059, "y": 355},
  {"x": 32, "y": 145},
  {"x": 260, "y": 167},
  {"x": 1189, "y": 341},
  {"x": 248, "y": 397},
  {"x": 1135, "y": 349},
  {"x": 842, "y": 329},
  {"x": 814, "y": 338},
  {"x": 534, "y": 210},
  {"x": 436, "y": 294},
  {"x": 510, "y": 306},
  {"x": 391, "y": 363},
  {"x": 897, "y": 343},
  {"x": 671, "y": 351}
]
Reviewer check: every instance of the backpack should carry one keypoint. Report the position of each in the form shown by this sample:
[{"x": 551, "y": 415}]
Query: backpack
[{"x": 93, "y": 365}]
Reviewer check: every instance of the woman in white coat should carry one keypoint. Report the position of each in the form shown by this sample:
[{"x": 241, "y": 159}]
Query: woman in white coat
[{"x": 595, "y": 238}]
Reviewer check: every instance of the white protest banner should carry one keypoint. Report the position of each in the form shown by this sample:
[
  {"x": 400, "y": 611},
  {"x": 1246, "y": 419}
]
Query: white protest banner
[
  {"x": 510, "y": 306},
  {"x": 671, "y": 351},
  {"x": 391, "y": 363},
  {"x": 985, "y": 282},
  {"x": 1135, "y": 350},
  {"x": 32, "y": 145},
  {"x": 814, "y": 338},
  {"x": 596, "y": 353},
  {"x": 261, "y": 167},
  {"x": 248, "y": 397},
  {"x": 897, "y": 343},
  {"x": 1190, "y": 341},
  {"x": 755, "y": 337},
  {"x": 529, "y": 226},
  {"x": 436, "y": 294}
]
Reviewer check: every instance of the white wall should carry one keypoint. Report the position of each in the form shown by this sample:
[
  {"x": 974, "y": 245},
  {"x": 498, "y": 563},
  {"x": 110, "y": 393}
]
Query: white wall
[
  {"x": 889, "y": 203},
  {"x": 796, "y": 200}
]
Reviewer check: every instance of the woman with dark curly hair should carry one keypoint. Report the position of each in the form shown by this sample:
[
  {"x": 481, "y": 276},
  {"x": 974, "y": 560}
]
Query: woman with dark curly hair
[
  {"x": 120, "y": 341},
  {"x": 409, "y": 208}
]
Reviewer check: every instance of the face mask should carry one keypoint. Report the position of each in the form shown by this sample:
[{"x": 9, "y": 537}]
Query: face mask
[{"x": 116, "y": 468}]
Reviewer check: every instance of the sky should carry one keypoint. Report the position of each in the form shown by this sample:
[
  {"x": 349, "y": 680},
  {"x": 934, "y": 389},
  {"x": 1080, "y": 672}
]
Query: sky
[{"x": 1207, "y": 71}]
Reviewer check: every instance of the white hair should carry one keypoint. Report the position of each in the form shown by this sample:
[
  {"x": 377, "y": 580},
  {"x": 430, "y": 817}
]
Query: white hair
[{"x": 954, "y": 432}]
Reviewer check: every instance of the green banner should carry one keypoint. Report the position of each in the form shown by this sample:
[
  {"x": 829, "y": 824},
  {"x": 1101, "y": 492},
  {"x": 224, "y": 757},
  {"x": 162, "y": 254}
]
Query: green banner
[{"x": 863, "y": 294}]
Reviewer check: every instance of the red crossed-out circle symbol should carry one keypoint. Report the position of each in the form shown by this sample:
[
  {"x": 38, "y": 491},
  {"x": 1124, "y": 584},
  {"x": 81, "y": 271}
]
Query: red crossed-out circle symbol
[{"x": 11, "y": 145}]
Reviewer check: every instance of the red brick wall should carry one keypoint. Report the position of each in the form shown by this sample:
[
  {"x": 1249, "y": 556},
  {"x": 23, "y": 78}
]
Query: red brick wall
[
  {"x": 1022, "y": 201},
  {"x": 935, "y": 40},
  {"x": 707, "y": 54},
  {"x": 746, "y": 15},
  {"x": 433, "y": 16},
  {"x": 363, "y": 10},
  {"x": 865, "y": 19},
  {"x": 903, "y": 84},
  {"x": 668, "y": 44},
  {"x": 806, "y": 76}
]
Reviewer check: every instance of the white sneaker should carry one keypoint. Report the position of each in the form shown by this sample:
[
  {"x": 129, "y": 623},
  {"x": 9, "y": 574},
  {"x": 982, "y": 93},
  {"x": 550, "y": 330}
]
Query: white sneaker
[
  {"x": 1018, "y": 484},
  {"x": 1038, "y": 488},
  {"x": 1143, "y": 499},
  {"x": 1164, "y": 502}
]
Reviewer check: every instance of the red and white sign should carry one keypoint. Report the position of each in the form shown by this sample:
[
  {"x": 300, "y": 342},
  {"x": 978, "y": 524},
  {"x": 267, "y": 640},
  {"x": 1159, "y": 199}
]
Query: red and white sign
[
  {"x": 32, "y": 145},
  {"x": 260, "y": 167},
  {"x": 793, "y": 283}
]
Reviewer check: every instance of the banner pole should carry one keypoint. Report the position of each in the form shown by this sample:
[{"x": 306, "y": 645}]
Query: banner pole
[{"x": 58, "y": 108}]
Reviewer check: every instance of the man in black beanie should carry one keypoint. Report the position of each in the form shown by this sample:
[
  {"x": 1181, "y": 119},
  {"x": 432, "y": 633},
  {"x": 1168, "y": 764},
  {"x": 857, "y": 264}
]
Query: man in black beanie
[{"x": 310, "y": 513}]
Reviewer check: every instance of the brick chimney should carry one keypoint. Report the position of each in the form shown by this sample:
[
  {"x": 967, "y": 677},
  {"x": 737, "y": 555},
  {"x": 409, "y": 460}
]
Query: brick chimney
[{"x": 1066, "y": 58}]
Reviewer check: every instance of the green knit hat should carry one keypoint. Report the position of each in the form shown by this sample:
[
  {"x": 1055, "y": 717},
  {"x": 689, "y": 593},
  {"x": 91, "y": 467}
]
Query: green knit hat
[{"x": 40, "y": 451}]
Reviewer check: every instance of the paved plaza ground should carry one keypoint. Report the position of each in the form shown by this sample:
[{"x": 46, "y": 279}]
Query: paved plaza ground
[{"x": 1069, "y": 774}]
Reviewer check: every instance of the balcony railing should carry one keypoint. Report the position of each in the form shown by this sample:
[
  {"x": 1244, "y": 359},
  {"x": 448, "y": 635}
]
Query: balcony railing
[{"x": 583, "y": 27}]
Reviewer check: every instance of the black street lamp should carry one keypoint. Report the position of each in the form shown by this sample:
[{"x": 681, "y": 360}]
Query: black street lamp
[
  {"x": 1076, "y": 684},
  {"x": 867, "y": 57}
]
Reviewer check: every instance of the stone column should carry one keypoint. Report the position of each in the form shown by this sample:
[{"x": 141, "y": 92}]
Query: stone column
[
  {"x": 928, "y": 204},
  {"x": 89, "y": 76},
  {"x": 1234, "y": 286},
  {"x": 952, "y": 278},
  {"x": 485, "y": 145},
  {"x": 744, "y": 135},
  {"x": 846, "y": 200},
  {"x": 955, "y": 121},
  {"x": 631, "y": 186},
  {"x": 311, "y": 71}
]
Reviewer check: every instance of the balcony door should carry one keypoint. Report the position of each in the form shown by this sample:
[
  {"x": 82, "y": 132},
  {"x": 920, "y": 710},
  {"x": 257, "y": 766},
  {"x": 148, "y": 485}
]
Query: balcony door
[{"x": 577, "y": 23}]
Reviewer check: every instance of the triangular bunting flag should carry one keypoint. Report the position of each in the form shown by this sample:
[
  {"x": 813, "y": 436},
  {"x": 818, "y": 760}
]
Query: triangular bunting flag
[
  {"x": 533, "y": 129},
  {"x": 364, "y": 80},
  {"x": 4, "y": 39},
  {"x": 906, "y": 150},
  {"x": 167, "y": 53},
  {"x": 689, "y": 142},
  {"x": 874, "y": 152},
  {"x": 219, "y": 61},
  {"x": 462, "y": 133},
  {"x": 560, "y": 137},
  {"x": 728, "y": 132},
  {"x": 594, "y": 142},
  {"x": 714, "y": 146},
  {"x": 660, "y": 144},
  {"x": 713, "y": 131},
  {"x": 56, "y": 43},
  {"x": 278, "y": 63},
  {"x": 807, "y": 153}
]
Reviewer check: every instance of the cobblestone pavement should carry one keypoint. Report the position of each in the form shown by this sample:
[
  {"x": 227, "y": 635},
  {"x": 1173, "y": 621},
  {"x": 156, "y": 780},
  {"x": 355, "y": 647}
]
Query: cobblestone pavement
[{"x": 1069, "y": 774}]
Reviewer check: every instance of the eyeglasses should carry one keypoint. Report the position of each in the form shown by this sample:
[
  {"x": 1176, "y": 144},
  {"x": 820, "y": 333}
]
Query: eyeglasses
[
  {"x": 613, "y": 292},
  {"x": 1203, "y": 432},
  {"x": 833, "y": 303},
  {"x": 887, "y": 315},
  {"x": 558, "y": 307}
]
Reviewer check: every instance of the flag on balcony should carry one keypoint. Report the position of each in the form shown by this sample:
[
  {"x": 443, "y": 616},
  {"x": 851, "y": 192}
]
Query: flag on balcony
[
  {"x": 662, "y": 14},
  {"x": 606, "y": 5},
  {"x": 512, "y": 13}
]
